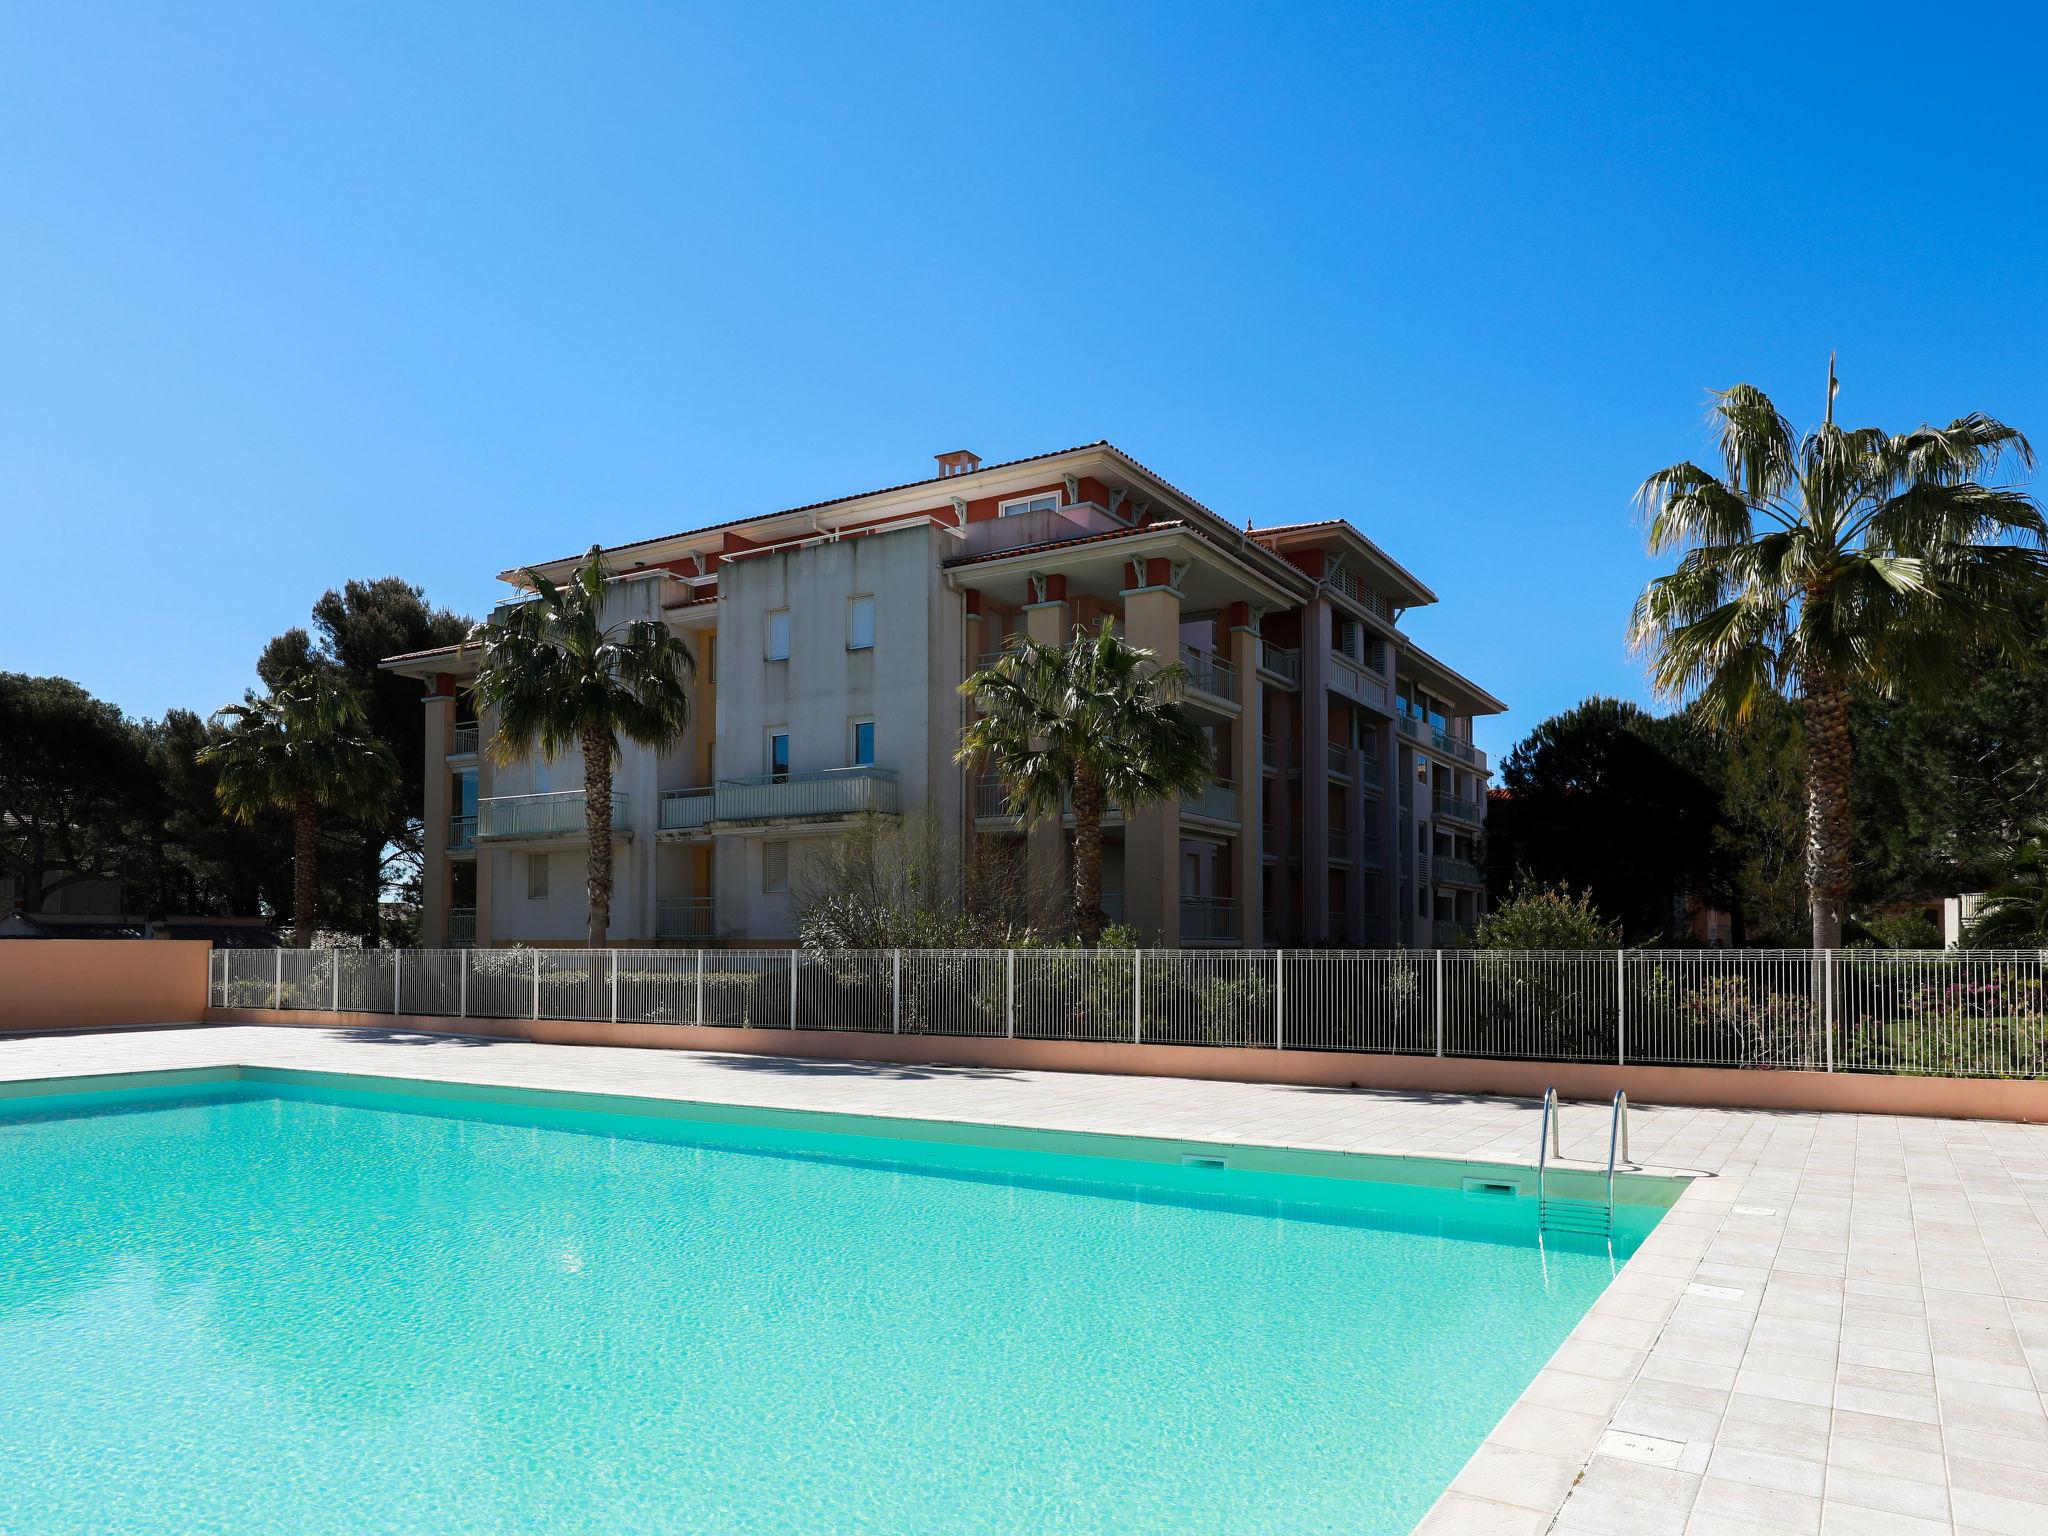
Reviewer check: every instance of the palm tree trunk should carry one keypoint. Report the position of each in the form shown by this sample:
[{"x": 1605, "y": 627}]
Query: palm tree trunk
[
  {"x": 597, "y": 822},
  {"x": 1088, "y": 913},
  {"x": 305, "y": 817},
  {"x": 1827, "y": 808}
]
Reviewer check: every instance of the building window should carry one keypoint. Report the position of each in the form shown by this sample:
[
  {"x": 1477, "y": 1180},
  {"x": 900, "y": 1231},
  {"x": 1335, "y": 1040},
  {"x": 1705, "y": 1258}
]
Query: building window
[
  {"x": 778, "y": 635},
  {"x": 860, "y": 624},
  {"x": 536, "y": 877},
  {"x": 778, "y": 755},
  {"x": 775, "y": 866},
  {"x": 1030, "y": 504},
  {"x": 863, "y": 744}
]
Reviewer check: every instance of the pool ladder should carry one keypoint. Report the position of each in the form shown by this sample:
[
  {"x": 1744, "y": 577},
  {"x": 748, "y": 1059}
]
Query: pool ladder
[{"x": 1587, "y": 1217}]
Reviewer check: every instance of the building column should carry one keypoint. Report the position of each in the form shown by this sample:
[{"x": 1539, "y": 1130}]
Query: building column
[
  {"x": 1355, "y": 874},
  {"x": 434, "y": 814},
  {"x": 1315, "y": 770},
  {"x": 1249, "y": 872},
  {"x": 1049, "y": 880},
  {"x": 1387, "y": 756},
  {"x": 1152, "y": 836}
]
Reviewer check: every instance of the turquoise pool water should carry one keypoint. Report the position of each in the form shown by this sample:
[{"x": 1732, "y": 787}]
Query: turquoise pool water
[{"x": 285, "y": 1306}]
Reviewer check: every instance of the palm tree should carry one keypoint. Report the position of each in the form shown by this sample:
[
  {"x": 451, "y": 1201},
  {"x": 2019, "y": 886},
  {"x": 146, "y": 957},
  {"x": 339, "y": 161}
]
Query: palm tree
[
  {"x": 303, "y": 749},
  {"x": 1820, "y": 565},
  {"x": 557, "y": 676},
  {"x": 1092, "y": 721},
  {"x": 2014, "y": 912}
]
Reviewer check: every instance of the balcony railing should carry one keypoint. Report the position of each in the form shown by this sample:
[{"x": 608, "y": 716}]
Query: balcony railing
[
  {"x": 796, "y": 796},
  {"x": 462, "y": 741},
  {"x": 1369, "y": 855},
  {"x": 532, "y": 816},
  {"x": 1269, "y": 752},
  {"x": 685, "y": 810},
  {"x": 1447, "y": 934},
  {"x": 1209, "y": 673},
  {"x": 461, "y": 834},
  {"x": 1026, "y": 529},
  {"x": 1458, "y": 810},
  {"x": 1340, "y": 761},
  {"x": 1362, "y": 595},
  {"x": 1216, "y": 802},
  {"x": 683, "y": 917},
  {"x": 461, "y": 927},
  {"x": 1208, "y": 920},
  {"x": 1340, "y": 845},
  {"x": 1458, "y": 872},
  {"x": 1280, "y": 661}
]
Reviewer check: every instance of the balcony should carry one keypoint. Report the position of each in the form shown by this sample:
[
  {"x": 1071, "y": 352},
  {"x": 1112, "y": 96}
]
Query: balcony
[
  {"x": 1269, "y": 753},
  {"x": 462, "y": 834},
  {"x": 528, "y": 818},
  {"x": 1450, "y": 871},
  {"x": 462, "y": 741},
  {"x": 1340, "y": 761},
  {"x": 686, "y": 810},
  {"x": 683, "y": 917},
  {"x": 1424, "y": 734},
  {"x": 461, "y": 927},
  {"x": 1447, "y": 934},
  {"x": 1369, "y": 769},
  {"x": 1209, "y": 673},
  {"x": 1450, "y": 808},
  {"x": 1216, "y": 802},
  {"x": 825, "y": 792},
  {"x": 1026, "y": 530},
  {"x": 1281, "y": 662},
  {"x": 1208, "y": 920},
  {"x": 1340, "y": 845},
  {"x": 1369, "y": 855},
  {"x": 1355, "y": 680},
  {"x": 1362, "y": 595}
]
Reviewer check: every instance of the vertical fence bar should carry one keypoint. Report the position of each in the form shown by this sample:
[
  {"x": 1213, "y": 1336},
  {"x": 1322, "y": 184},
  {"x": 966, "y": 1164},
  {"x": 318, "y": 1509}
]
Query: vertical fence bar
[
  {"x": 1010, "y": 994},
  {"x": 1621, "y": 1007},
  {"x": 536, "y": 983},
  {"x": 277, "y": 979},
  {"x": 1137, "y": 997},
  {"x": 397, "y": 978},
  {"x": 1827, "y": 1015},
  {"x": 792, "y": 989},
  {"x": 615, "y": 986},
  {"x": 1439, "y": 1002},
  {"x": 1279, "y": 999},
  {"x": 334, "y": 982},
  {"x": 896, "y": 992},
  {"x": 462, "y": 983},
  {"x": 700, "y": 987}
]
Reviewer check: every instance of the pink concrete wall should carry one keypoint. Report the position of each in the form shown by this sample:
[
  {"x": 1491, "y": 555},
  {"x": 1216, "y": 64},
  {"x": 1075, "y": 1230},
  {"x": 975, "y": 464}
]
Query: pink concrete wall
[
  {"x": 58, "y": 984},
  {"x": 1854, "y": 1092}
]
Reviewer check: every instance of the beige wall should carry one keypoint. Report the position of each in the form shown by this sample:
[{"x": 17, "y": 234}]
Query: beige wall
[
  {"x": 54, "y": 984},
  {"x": 1842, "y": 1092}
]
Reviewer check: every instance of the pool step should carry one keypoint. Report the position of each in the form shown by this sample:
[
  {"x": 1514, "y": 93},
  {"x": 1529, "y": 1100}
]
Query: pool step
[{"x": 1588, "y": 1218}]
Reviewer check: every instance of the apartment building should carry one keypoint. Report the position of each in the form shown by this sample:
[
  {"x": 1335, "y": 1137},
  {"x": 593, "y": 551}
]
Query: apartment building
[{"x": 1348, "y": 799}]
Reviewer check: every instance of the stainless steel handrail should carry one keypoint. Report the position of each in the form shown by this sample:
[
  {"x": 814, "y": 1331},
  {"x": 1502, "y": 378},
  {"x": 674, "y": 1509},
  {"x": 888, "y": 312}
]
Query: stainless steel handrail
[
  {"x": 1617, "y": 1135},
  {"x": 1546, "y": 1138}
]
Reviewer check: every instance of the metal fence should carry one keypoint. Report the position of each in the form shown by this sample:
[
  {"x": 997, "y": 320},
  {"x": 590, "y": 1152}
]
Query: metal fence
[{"x": 1953, "y": 1013}]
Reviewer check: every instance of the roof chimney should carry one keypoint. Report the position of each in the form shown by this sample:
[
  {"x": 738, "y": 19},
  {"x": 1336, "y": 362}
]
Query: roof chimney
[{"x": 958, "y": 462}]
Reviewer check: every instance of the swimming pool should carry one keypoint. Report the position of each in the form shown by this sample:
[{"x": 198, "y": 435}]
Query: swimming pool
[{"x": 261, "y": 1301}]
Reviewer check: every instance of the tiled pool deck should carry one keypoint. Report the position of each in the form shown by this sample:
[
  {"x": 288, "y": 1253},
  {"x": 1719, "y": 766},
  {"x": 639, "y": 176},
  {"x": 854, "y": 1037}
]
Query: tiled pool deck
[{"x": 1869, "y": 1356}]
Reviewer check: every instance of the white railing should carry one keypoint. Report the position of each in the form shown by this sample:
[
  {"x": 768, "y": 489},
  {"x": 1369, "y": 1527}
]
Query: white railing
[
  {"x": 1280, "y": 661},
  {"x": 1216, "y": 802},
  {"x": 683, "y": 917},
  {"x": 559, "y": 814},
  {"x": 1458, "y": 810},
  {"x": 461, "y": 834},
  {"x": 1208, "y": 920},
  {"x": 796, "y": 796},
  {"x": 1048, "y": 525},
  {"x": 1209, "y": 673},
  {"x": 1450, "y": 871},
  {"x": 1955, "y": 1013},
  {"x": 685, "y": 810},
  {"x": 461, "y": 927},
  {"x": 462, "y": 741}
]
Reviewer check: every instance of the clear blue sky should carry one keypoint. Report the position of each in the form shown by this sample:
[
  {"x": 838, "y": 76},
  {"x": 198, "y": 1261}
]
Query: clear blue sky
[{"x": 289, "y": 297}]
